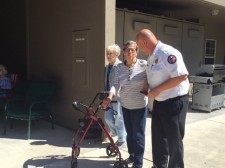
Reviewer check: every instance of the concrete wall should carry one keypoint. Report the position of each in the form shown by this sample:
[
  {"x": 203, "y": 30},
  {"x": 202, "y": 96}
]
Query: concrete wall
[
  {"x": 47, "y": 38},
  {"x": 51, "y": 25},
  {"x": 13, "y": 36}
]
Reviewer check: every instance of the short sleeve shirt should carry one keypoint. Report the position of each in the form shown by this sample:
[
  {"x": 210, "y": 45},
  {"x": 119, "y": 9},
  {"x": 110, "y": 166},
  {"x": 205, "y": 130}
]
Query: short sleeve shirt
[
  {"x": 130, "y": 81},
  {"x": 166, "y": 62}
]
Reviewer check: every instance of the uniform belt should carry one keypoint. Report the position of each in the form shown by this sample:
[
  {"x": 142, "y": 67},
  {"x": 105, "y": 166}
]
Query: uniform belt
[
  {"x": 175, "y": 98},
  {"x": 113, "y": 101}
]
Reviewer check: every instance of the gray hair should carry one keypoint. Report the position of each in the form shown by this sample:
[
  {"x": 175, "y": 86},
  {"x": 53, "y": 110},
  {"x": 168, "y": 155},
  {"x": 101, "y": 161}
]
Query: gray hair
[
  {"x": 130, "y": 42},
  {"x": 115, "y": 48},
  {"x": 4, "y": 70}
]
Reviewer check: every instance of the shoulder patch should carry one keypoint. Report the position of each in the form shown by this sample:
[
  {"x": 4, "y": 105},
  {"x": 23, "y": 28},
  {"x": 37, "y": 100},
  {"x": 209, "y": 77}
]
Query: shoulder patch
[{"x": 172, "y": 59}]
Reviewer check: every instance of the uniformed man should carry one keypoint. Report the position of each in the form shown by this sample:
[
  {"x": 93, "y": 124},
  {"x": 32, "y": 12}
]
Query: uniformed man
[{"x": 168, "y": 85}]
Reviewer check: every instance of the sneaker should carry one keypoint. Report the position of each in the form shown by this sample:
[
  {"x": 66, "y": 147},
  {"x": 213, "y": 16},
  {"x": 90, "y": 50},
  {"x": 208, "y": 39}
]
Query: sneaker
[
  {"x": 120, "y": 144},
  {"x": 129, "y": 161},
  {"x": 113, "y": 135},
  {"x": 135, "y": 166}
]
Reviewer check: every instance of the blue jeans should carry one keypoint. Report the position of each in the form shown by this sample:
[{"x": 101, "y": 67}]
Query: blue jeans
[
  {"x": 135, "y": 123},
  {"x": 115, "y": 121}
]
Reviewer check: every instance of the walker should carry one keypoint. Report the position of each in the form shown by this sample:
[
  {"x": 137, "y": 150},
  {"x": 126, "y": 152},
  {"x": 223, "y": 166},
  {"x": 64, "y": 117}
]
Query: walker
[{"x": 90, "y": 112}]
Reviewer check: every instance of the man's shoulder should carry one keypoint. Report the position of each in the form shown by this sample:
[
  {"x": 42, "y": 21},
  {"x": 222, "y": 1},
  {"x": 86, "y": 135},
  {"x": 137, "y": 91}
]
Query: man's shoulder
[{"x": 168, "y": 49}]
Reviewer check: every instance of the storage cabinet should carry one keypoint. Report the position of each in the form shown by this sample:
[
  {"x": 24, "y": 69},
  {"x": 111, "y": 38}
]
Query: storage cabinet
[{"x": 187, "y": 37}]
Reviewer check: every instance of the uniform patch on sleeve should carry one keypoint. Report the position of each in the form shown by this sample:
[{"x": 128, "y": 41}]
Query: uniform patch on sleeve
[{"x": 172, "y": 59}]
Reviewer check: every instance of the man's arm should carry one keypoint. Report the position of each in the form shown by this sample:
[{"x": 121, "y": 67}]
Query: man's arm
[{"x": 170, "y": 83}]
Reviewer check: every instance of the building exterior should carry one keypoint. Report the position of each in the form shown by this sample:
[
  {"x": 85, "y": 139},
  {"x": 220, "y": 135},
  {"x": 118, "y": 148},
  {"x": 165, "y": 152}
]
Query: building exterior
[{"x": 65, "y": 40}]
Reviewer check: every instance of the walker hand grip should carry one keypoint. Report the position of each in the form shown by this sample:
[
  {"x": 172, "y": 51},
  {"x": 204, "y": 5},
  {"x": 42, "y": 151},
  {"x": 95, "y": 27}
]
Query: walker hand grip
[{"x": 77, "y": 106}]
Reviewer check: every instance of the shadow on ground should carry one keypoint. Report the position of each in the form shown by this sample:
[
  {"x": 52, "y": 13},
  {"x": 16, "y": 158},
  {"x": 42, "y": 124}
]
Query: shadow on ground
[
  {"x": 62, "y": 161},
  {"x": 42, "y": 134}
]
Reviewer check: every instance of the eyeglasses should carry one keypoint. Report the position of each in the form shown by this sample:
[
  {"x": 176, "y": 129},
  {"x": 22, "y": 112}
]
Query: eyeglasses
[
  {"x": 130, "y": 50},
  {"x": 109, "y": 53}
]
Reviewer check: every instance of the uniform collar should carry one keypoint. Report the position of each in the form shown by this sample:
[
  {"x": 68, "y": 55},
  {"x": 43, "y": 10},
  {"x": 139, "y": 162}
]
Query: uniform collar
[
  {"x": 154, "y": 56},
  {"x": 157, "y": 47}
]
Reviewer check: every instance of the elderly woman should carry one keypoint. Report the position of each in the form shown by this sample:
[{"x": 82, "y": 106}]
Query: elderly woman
[
  {"x": 5, "y": 81},
  {"x": 114, "y": 122},
  {"x": 130, "y": 77}
]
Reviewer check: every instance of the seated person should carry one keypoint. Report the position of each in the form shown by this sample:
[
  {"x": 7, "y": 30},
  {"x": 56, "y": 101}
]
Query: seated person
[{"x": 5, "y": 81}]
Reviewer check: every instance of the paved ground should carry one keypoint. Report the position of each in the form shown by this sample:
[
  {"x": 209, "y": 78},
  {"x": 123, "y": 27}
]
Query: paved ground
[{"x": 204, "y": 145}]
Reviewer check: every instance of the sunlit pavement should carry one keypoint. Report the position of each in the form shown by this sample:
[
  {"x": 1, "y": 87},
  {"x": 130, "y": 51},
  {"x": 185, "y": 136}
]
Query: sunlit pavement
[{"x": 203, "y": 143}]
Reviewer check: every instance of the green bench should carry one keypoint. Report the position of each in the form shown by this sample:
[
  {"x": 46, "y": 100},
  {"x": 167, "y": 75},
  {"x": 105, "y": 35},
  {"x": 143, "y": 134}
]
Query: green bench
[{"x": 31, "y": 100}]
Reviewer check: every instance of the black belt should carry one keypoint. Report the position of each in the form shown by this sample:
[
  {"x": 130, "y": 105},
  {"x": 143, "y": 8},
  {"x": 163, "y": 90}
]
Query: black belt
[{"x": 174, "y": 98}]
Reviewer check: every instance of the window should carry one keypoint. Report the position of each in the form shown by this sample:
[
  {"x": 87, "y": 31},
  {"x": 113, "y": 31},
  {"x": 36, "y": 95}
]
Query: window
[{"x": 210, "y": 51}]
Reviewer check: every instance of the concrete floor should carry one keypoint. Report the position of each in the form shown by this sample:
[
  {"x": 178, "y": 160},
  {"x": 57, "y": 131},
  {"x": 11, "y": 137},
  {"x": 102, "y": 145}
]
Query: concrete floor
[{"x": 203, "y": 143}]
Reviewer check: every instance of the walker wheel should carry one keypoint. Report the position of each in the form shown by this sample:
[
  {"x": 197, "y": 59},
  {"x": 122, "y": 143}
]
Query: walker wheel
[
  {"x": 77, "y": 152},
  {"x": 74, "y": 163},
  {"x": 74, "y": 158},
  {"x": 120, "y": 164},
  {"x": 110, "y": 151}
]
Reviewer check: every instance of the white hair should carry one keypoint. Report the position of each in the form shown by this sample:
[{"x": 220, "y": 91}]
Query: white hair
[
  {"x": 115, "y": 48},
  {"x": 4, "y": 70}
]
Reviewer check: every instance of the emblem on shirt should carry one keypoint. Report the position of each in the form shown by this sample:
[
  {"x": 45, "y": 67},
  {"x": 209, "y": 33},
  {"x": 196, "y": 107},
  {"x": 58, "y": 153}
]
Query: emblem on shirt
[{"x": 172, "y": 59}]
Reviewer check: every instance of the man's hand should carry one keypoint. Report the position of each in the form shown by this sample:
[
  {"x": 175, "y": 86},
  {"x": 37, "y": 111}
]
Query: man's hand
[
  {"x": 105, "y": 102},
  {"x": 153, "y": 93},
  {"x": 144, "y": 92}
]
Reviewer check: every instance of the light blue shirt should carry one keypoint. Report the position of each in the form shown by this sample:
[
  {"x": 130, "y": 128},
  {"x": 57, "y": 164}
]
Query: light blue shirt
[{"x": 5, "y": 83}]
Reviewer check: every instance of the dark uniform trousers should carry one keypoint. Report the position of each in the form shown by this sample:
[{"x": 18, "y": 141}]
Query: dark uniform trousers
[{"x": 168, "y": 128}]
